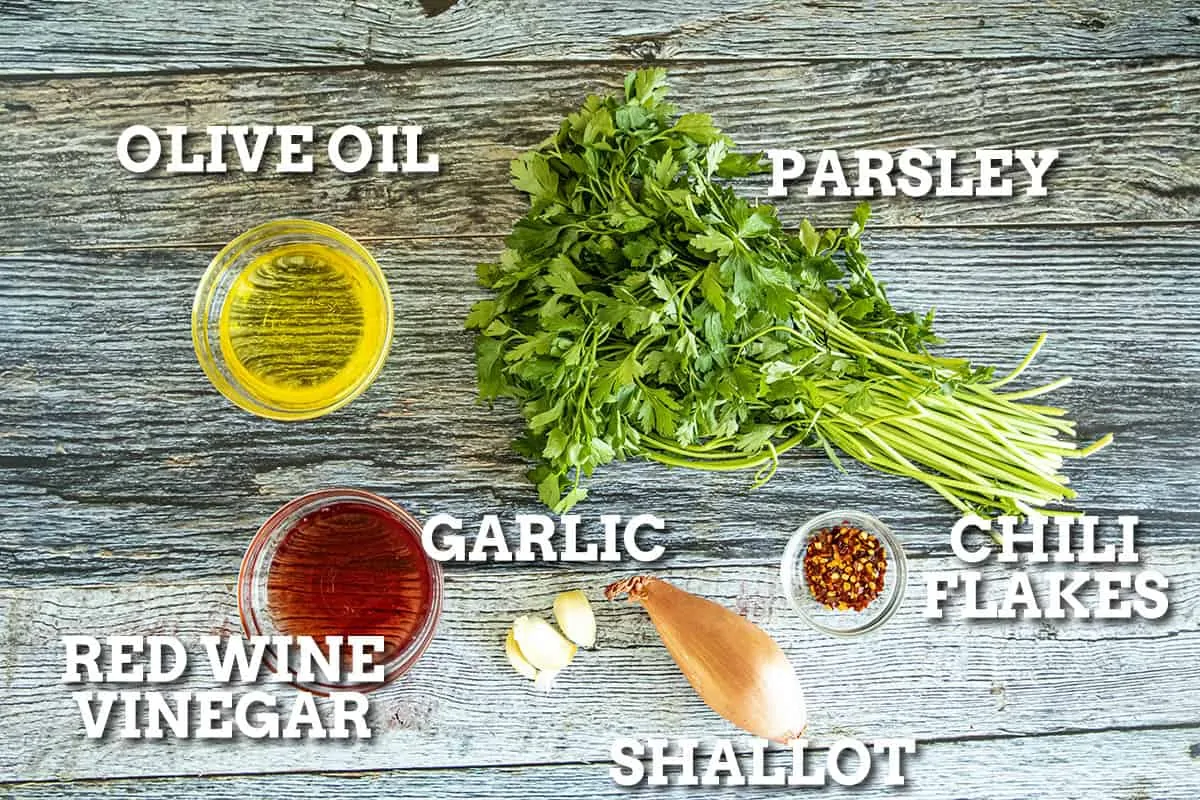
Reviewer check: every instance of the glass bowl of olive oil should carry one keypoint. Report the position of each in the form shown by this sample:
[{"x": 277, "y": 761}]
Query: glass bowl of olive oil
[{"x": 292, "y": 320}]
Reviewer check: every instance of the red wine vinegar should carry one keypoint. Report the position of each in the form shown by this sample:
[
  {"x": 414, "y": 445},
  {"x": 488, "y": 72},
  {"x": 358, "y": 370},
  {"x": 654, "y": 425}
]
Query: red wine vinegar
[{"x": 351, "y": 569}]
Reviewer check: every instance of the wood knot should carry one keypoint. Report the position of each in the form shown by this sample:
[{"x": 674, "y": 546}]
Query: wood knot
[
  {"x": 431, "y": 8},
  {"x": 414, "y": 715},
  {"x": 647, "y": 49}
]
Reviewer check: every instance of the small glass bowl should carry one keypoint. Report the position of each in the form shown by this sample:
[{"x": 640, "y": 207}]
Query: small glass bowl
[
  {"x": 214, "y": 291},
  {"x": 254, "y": 609},
  {"x": 848, "y": 622}
]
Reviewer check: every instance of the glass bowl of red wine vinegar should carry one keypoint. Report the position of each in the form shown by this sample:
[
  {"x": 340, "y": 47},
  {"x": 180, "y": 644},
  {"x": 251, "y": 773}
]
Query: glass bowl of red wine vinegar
[{"x": 342, "y": 562}]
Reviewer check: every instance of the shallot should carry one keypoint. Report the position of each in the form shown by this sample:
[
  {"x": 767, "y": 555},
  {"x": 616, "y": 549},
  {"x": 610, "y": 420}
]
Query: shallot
[{"x": 734, "y": 665}]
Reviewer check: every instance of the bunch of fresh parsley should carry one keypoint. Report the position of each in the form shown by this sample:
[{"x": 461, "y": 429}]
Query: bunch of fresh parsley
[{"x": 641, "y": 308}]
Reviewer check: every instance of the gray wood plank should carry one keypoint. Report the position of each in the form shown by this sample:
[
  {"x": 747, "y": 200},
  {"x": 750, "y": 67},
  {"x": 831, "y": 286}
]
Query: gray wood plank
[
  {"x": 145, "y": 35},
  {"x": 1127, "y": 131},
  {"x": 119, "y": 462},
  {"x": 463, "y": 706},
  {"x": 1152, "y": 763}
]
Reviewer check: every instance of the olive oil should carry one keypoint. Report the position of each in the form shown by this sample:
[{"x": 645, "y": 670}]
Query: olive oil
[{"x": 301, "y": 325}]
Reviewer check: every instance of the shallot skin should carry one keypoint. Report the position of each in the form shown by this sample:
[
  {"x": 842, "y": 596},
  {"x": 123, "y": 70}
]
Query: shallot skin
[{"x": 734, "y": 665}]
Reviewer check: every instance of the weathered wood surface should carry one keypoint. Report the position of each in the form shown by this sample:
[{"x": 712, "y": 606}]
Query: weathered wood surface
[
  {"x": 1129, "y": 135},
  {"x": 462, "y": 705},
  {"x": 121, "y": 463},
  {"x": 1120, "y": 765},
  {"x": 148, "y": 36},
  {"x": 131, "y": 487}
]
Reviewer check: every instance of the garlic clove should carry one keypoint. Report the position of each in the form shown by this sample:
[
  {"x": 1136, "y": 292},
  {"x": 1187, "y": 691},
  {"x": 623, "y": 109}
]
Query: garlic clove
[
  {"x": 574, "y": 615},
  {"x": 545, "y": 679},
  {"x": 540, "y": 644},
  {"x": 517, "y": 658}
]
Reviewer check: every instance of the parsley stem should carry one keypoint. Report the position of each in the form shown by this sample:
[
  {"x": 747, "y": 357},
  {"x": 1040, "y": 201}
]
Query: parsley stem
[
  {"x": 1025, "y": 362},
  {"x": 1037, "y": 390}
]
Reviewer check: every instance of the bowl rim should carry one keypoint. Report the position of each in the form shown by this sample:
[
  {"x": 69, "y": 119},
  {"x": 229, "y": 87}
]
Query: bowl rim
[
  {"x": 252, "y": 563},
  {"x": 793, "y": 580},
  {"x": 228, "y": 256}
]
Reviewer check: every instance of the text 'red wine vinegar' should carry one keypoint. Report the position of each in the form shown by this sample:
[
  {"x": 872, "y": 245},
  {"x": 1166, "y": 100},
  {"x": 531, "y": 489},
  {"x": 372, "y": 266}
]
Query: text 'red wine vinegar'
[{"x": 351, "y": 568}]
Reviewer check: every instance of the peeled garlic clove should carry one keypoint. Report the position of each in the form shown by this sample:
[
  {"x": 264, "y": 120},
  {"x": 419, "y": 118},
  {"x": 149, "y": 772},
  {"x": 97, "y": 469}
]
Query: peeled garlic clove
[
  {"x": 517, "y": 658},
  {"x": 545, "y": 679},
  {"x": 575, "y": 617},
  {"x": 541, "y": 645}
]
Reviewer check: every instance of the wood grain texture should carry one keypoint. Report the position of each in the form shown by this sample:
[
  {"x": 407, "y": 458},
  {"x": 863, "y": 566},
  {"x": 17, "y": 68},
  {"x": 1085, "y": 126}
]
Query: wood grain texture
[
  {"x": 131, "y": 488},
  {"x": 145, "y": 35},
  {"x": 119, "y": 462},
  {"x": 1129, "y": 135},
  {"x": 462, "y": 705},
  {"x": 1122, "y": 765}
]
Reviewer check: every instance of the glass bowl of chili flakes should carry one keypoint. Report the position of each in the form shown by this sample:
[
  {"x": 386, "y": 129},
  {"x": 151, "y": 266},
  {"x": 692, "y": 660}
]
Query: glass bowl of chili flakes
[{"x": 844, "y": 572}]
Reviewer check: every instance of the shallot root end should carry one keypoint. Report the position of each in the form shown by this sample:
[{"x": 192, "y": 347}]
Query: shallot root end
[{"x": 635, "y": 587}]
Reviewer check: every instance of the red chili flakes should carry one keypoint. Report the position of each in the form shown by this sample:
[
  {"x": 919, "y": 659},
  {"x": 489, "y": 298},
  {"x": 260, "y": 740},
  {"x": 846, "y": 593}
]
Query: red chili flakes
[{"x": 844, "y": 567}]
